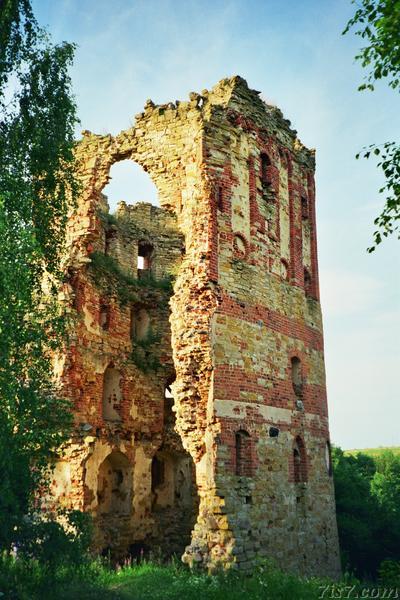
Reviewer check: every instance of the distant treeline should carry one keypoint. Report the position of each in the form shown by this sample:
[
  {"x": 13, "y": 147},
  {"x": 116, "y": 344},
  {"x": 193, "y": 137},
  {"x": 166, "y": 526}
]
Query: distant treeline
[{"x": 367, "y": 488}]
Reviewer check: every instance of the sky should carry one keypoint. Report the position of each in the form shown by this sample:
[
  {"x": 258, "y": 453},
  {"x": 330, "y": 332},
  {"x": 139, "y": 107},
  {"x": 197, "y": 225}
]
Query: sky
[{"x": 294, "y": 53}]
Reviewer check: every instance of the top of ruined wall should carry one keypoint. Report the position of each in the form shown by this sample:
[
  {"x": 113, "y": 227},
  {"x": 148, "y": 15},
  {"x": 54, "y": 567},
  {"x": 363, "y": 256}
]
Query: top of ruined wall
[
  {"x": 231, "y": 95},
  {"x": 234, "y": 94}
]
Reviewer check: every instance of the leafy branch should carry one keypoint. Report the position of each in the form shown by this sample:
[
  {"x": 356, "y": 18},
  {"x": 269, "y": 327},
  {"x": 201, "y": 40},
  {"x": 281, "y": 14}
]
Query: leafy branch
[{"x": 378, "y": 23}]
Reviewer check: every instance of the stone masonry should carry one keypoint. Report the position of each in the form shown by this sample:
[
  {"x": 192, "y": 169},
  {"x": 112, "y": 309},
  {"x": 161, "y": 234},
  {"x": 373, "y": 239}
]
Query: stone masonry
[{"x": 195, "y": 358}]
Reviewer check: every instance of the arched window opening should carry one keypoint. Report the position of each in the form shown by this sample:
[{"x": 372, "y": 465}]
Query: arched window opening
[
  {"x": 169, "y": 415},
  {"x": 140, "y": 324},
  {"x": 265, "y": 170},
  {"x": 304, "y": 208},
  {"x": 104, "y": 316},
  {"x": 78, "y": 293},
  {"x": 110, "y": 239},
  {"x": 297, "y": 378},
  {"x": 130, "y": 182},
  {"x": 283, "y": 158},
  {"x": 114, "y": 485},
  {"x": 284, "y": 269},
  {"x": 145, "y": 253},
  {"x": 243, "y": 453},
  {"x": 157, "y": 473},
  {"x": 328, "y": 458},
  {"x": 112, "y": 394},
  {"x": 299, "y": 461},
  {"x": 307, "y": 282},
  {"x": 220, "y": 198}
]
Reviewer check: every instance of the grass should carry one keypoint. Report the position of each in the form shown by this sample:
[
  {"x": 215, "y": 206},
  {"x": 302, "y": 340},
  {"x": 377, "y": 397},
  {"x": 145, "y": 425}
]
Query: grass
[{"x": 151, "y": 581}]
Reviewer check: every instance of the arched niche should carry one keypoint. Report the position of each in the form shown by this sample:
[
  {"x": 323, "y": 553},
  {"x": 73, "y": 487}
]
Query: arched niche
[
  {"x": 243, "y": 462},
  {"x": 307, "y": 282},
  {"x": 265, "y": 174},
  {"x": 112, "y": 394},
  {"x": 129, "y": 182},
  {"x": 172, "y": 480},
  {"x": 114, "y": 485},
  {"x": 304, "y": 208},
  {"x": 174, "y": 500},
  {"x": 296, "y": 374},
  {"x": 284, "y": 269},
  {"x": 299, "y": 461},
  {"x": 140, "y": 323},
  {"x": 328, "y": 458},
  {"x": 104, "y": 315}
]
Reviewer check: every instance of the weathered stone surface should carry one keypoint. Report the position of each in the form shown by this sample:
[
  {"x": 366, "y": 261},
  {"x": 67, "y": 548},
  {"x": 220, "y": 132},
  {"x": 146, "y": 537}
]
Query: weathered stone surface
[{"x": 239, "y": 340}]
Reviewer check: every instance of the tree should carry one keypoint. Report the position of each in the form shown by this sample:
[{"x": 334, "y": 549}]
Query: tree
[
  {"x": 37, "y": 119},
  {"x": 378, "y": 22},
  {"x": 367, "y": 491}
]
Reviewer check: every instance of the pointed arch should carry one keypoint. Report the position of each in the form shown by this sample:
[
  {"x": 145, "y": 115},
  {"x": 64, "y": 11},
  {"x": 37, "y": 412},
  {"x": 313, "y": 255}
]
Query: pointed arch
[
  {"x": 299, "y": 461},
  {"x": 243, "y": 462}
]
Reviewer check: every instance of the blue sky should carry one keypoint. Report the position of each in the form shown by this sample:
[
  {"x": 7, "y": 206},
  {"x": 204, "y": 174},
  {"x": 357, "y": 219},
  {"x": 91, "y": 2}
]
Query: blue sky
[{"x": 294, "y": 53}]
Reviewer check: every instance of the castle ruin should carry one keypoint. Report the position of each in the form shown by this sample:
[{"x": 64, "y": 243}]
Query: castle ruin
[{"x": 195, "y": 357}]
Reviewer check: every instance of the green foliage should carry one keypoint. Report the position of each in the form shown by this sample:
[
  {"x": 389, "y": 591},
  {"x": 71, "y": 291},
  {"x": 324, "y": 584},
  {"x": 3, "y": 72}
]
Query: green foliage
[
  {"x": 110, "y": 277},
  {"x": 143, "y": 352},
  {"x": 378, "y": 23},
  {"x": 389, "y": 162},
  {"x": 389, "y": 573},
  {"x": 37, "y": 119},
  {"x": 367, "y": 490},
  {"x": 94, "y": 579},
  {"x": 63, "y": 538},
  {"x": 158, "y": 582}
]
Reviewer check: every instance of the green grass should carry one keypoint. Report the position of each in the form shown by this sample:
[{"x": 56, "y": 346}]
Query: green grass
[
  {"x": 151, "y": 581},
  {"x": 374, "y": 451}
]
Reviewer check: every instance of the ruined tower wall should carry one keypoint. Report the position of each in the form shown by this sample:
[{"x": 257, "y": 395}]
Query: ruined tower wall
[
  {"x": 242, "y": 335},
  {"x": 267, "y": 316}
]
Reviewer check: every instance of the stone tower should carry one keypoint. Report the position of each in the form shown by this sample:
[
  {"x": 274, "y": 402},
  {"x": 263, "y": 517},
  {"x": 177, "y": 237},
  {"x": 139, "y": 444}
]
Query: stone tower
[{"x": 195, "y": 361}]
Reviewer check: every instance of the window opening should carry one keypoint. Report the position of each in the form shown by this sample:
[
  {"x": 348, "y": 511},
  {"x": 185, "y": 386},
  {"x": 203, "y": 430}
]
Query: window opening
[
  {"x": 297, "y": 379},
  {"x": 112, "y": 394},
  {"x": 243, "y": 453},
  {"x": 129, "y": 182},
  {"x": 265, "y": 172},
  {"x": 169, "y": 415},
  {"x": 307, "y": 282},
  {"x": 299, "y": 461},
  {"x": 104, "y": 316},
  {"x": 220, "y": 198},
  {"x": 111, "y": 235},
  {"x": 157, "y": 473},
  {"x": 328, "y": 458},
  {"x": 304, "y": 208},
  {"x": 145, "y": 252}
]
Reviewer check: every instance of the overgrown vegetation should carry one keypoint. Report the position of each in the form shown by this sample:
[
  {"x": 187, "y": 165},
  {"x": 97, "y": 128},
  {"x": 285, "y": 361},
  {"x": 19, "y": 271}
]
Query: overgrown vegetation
[
  {"x": 143, "y": 352},
  {"x": 109, "y": 276},
  {"x": 37, "y": 120},
  {"x": 368, "y": 502},
  {"x": 150, "y": 580}
]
